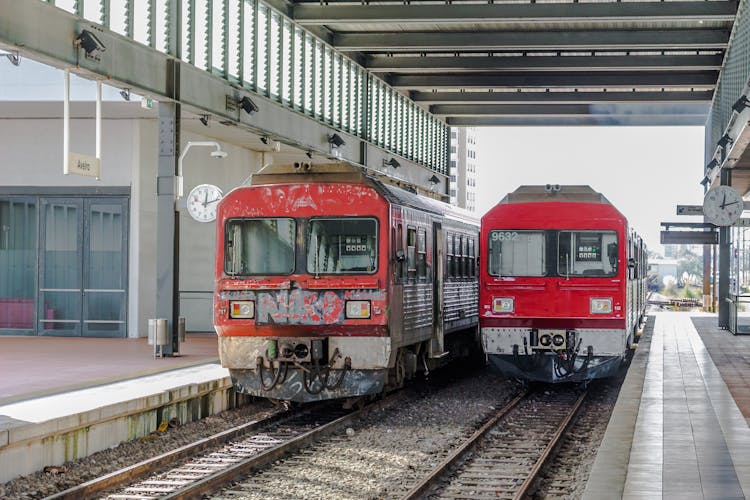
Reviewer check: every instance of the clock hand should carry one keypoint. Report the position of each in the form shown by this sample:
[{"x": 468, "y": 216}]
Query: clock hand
[
  {"x": 205, "y": 199},
  {"x": 214, "y": 200}
]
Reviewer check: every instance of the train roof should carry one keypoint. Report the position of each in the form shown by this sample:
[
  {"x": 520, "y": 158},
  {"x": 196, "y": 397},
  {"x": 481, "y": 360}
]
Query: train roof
[
  {"x": 344, "y": 173},
  {"x": 398, "y": 196},
  {"x": 555, "y": 193}
]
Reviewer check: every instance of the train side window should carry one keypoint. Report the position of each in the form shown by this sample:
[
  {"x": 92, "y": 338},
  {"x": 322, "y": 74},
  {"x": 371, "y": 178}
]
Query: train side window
[
  {"x": 472, "y": 258},
  {"x": 460, "y": 271},
  {"x": 465, "y": 253},
  {"x": 411, "y": 252},
  {"x": 422, "y": 253},
  {"x": 449, "y": 255},
  {"x": 400, "y": 255}
]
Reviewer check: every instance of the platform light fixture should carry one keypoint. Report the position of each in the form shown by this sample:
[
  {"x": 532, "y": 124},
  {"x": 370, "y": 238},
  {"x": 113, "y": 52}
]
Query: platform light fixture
[
  {"x": 724, "y": 140},
  {"x": 391, "y": 162},
  {"x": 434, "y": 179},
  {"x": 741, "y": 103},
  {"x": 217, "y": 153},
  {"x": 204, "y": 119},
  {"x": 90, "y": 44},
  {"x": 264, "y": 140},
  {"x": 309, "y": 154},
  {"x": 14, "y": 57},
  {"x": 247, "y": 105},
  {"x": 125, "y": 94},
  {"x": 335, "y": 140}
]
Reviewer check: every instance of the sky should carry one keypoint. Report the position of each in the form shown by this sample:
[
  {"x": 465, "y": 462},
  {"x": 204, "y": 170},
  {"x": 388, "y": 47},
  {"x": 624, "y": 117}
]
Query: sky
[{"x": 644, "y": 171}]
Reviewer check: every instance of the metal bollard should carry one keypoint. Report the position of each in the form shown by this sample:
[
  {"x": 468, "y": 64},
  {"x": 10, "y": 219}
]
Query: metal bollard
[
  {"x": 157, "y": 335},
  {"x": 181, "y": 329}
]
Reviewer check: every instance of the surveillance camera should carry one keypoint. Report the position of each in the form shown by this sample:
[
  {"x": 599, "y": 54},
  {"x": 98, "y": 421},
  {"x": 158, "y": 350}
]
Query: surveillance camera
[{"x": 218, "y": 154}]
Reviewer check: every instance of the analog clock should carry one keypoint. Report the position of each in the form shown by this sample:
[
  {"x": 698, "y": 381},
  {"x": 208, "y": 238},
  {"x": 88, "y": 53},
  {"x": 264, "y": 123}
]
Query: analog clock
[
  {"x": 202, "y": 202},
  {"x": 722, "y": 206}
]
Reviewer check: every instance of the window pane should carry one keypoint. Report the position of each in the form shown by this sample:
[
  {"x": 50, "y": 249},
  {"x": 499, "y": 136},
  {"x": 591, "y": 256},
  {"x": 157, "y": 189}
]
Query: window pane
[
  {"x": 587, "y": 253},
  {"x": 259, "y": 246},
  {"x": 337, "y": 246},
  {"x": 17, "y": 263},
  {"x": 516, "y": 253}
]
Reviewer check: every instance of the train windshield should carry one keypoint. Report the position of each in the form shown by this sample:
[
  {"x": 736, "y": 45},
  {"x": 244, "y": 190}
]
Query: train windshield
[
  {"x": 342, "y": 245},
  {"x": 517, "y": 253},
  {"x": 587, "y": 253},
  {"x": 259, "y": 246}
]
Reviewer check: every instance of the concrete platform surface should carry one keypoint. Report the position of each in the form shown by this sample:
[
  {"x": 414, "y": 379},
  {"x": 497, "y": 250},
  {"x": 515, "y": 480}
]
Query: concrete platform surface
[
  {"x": 66, "y": 398},
  {"x": 37, "y": 366},
  {"x": 676, "y": 430}
]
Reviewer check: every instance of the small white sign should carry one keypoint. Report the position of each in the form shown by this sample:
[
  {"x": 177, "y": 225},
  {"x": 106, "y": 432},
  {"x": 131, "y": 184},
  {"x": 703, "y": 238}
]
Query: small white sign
[
  {"x": 742, "y": 223},
  {"x": 83, "y": 165},
  {"x": 147, "y": 102},
  {"x": 689, "y": 209}
]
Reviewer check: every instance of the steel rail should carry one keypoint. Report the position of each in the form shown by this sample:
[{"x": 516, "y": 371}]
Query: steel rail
[
  {"x": 135, "y": 471},
  {"x": 220, "y": 478},
  {"x": 547, "y": 453},
  {"x": 421, "y": 488}
]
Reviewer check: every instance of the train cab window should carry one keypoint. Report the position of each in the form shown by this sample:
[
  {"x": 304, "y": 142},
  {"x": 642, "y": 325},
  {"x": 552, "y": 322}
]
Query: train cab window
[
  {"x": 587, "y": 253},
  {"x": 411, "y": 252},
  {"x": 422, "y": 253},
  {"x": 342, "y": 245},
  {"x": 516, "y": 253},
  {"x": 259, "y": 246}
]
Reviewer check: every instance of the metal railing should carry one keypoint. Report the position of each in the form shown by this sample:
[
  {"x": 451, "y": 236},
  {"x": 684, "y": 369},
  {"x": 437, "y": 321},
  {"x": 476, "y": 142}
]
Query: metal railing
[{"x": 250, "y": 44}]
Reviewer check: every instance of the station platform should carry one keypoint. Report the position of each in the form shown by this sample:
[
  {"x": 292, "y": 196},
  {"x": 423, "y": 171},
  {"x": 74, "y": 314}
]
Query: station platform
[
  {"x": 66, "y": 398},
  {"x": 679, "y": 428},
  {"x": 38, "y": 366}
]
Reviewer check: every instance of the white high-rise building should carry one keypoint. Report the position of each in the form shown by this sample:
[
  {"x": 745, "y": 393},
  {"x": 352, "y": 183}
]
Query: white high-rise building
[{"x": 463, "y": 167}]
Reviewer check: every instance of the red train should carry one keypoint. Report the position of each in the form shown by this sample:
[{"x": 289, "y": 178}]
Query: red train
[
  {"x": 562, "y": 284},
  {"x": 332, "y": 284}
]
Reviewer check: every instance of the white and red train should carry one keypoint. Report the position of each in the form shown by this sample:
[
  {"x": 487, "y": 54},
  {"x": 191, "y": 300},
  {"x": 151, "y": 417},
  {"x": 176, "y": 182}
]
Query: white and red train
[
  {"x": 333, "y": 284},
  {"x": 562, "y": 284}
]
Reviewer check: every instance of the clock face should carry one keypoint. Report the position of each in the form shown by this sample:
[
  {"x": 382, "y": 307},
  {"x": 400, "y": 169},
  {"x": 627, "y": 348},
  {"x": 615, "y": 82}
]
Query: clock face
[
  {"x": 723, "y": 206},
  {"x": 202, "y": 202}
]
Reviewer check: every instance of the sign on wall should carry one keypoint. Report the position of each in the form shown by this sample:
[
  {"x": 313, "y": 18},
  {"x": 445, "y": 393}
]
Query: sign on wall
[{"x": 81, "y": 164}]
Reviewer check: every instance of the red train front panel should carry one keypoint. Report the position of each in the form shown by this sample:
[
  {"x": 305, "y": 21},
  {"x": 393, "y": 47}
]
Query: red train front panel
[
  {"x": 553, "y": 284},
  {"x": 301, "y": 290}
]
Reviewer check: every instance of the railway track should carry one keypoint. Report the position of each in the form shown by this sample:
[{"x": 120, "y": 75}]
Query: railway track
[
  {"x": 503, "y": 458},
  {"x": 207, "y": 464}
]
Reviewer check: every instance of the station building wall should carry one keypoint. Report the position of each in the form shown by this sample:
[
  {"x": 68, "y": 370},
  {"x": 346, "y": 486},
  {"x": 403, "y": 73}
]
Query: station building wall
[{"x": 31, "y": 165}]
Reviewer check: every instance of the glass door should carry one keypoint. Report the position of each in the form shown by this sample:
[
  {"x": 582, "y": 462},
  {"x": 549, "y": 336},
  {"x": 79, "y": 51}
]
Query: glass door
[
  {"x": 105, "y": 268},
  {"x": 83, "y": 267},
  {"x": 60, "y": 267}
]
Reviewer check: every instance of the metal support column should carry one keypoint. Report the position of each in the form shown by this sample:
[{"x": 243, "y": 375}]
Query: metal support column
[
  {"x": 725, "y": 243},
  {"x": 167, "y": 218}
]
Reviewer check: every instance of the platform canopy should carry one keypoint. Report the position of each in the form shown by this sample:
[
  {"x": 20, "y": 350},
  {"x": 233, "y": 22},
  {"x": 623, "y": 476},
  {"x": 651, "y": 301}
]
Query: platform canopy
[{"x": 536, "y": 63}]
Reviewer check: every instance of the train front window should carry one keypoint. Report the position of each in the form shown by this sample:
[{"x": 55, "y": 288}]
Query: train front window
[
  {"x": 342, "y": 246},
  {"x": 259, "y": 246},
  {"x": 587, "y": 253},
  {"x": 516, "y": 253}
]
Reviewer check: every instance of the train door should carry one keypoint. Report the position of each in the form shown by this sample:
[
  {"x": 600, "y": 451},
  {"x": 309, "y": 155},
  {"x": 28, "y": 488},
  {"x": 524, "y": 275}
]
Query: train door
[
  {"x": 83, "y": 267},
  {"x": 437, "y": 344}
]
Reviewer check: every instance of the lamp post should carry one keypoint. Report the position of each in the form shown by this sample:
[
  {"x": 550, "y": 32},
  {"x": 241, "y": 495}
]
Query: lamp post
[{"x": 217, "y": 153}]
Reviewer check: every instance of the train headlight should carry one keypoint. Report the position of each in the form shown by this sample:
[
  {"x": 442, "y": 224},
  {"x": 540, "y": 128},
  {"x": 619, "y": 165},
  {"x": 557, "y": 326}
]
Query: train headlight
[
  {"x": 242, "y": 309},
  {"x": 357, "y": 309},
  {"x": 600, "y": 306},
  {"x": 502, "y": 305}
]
